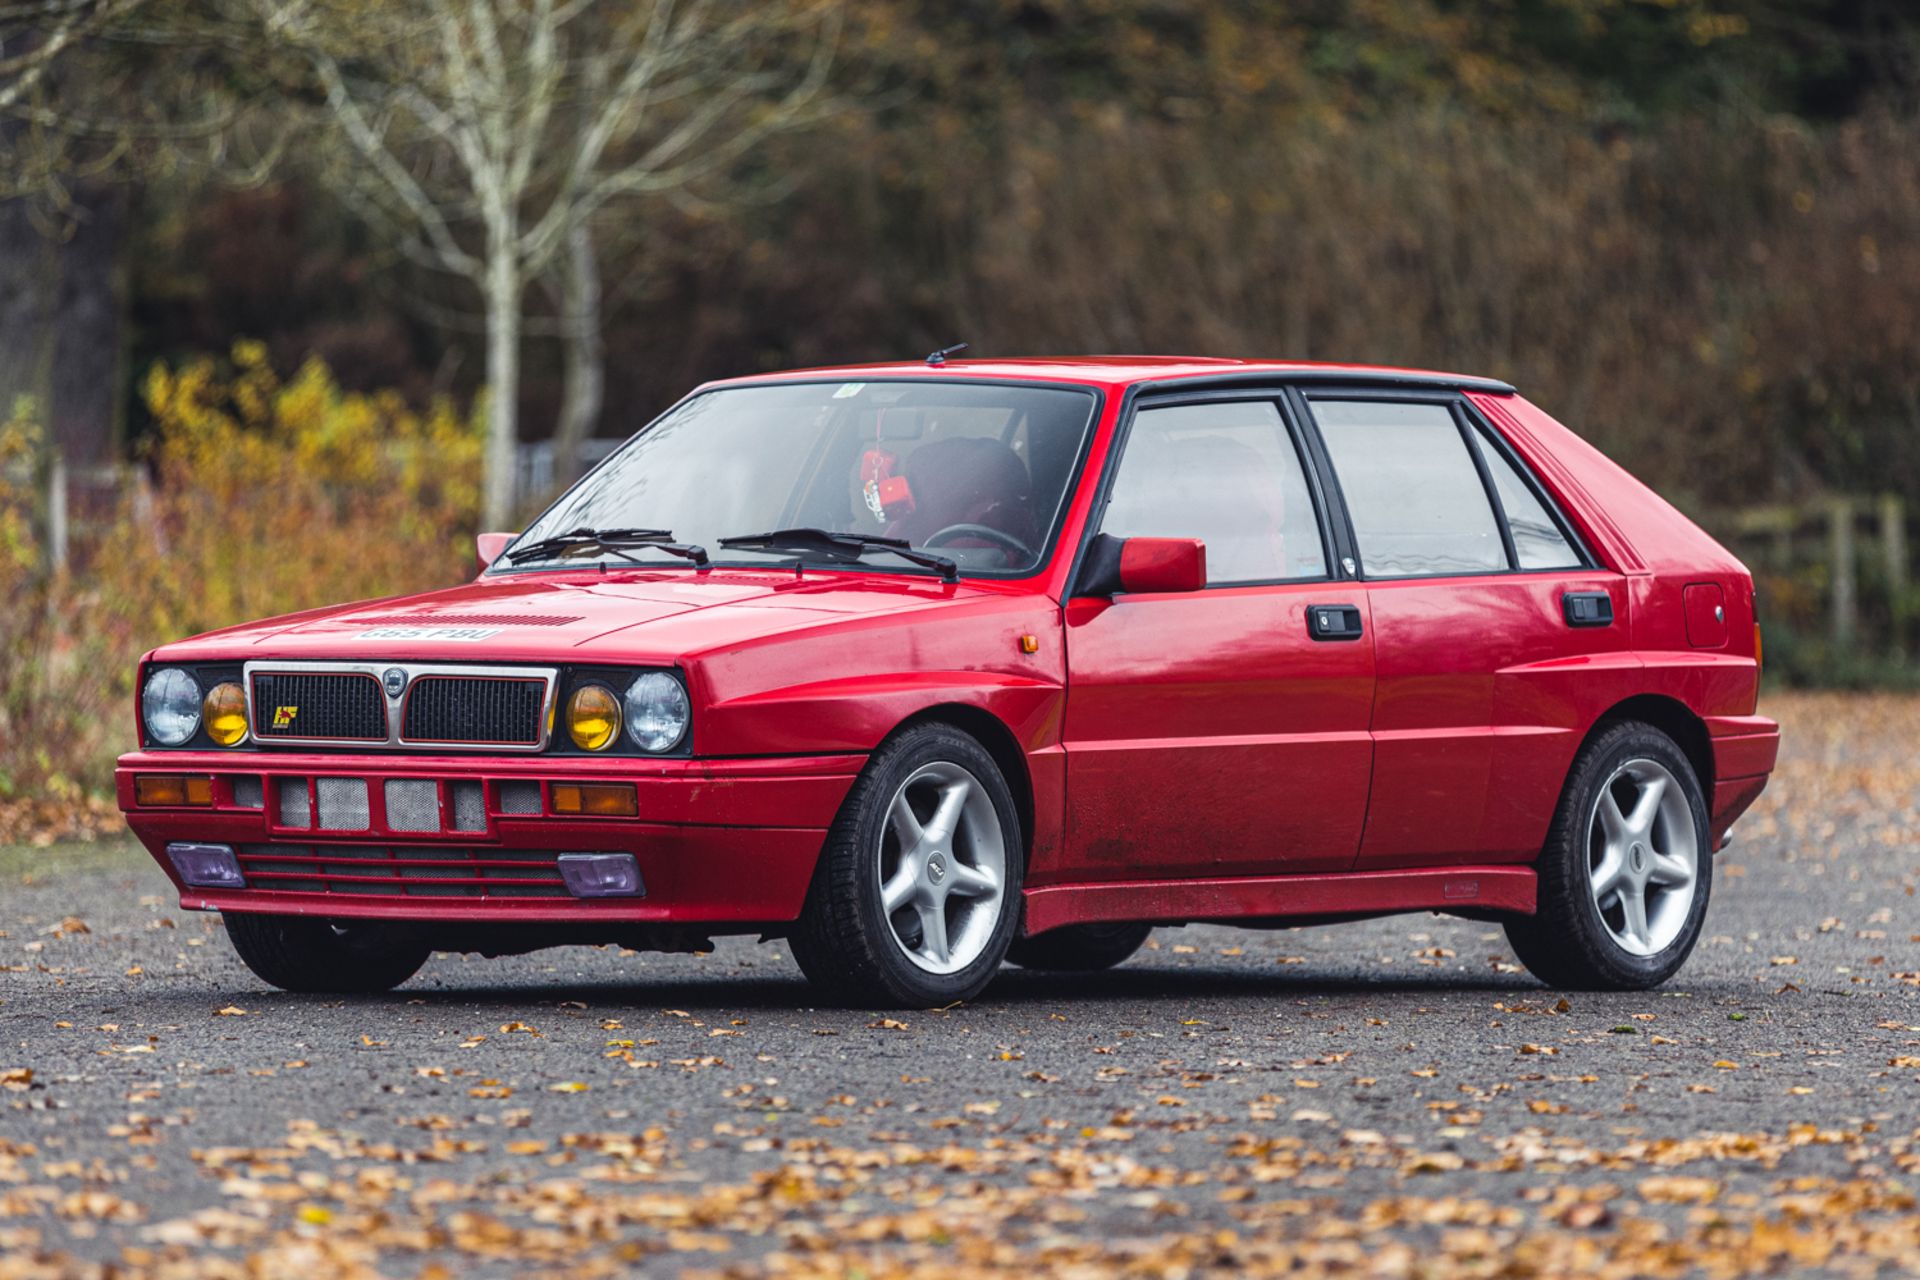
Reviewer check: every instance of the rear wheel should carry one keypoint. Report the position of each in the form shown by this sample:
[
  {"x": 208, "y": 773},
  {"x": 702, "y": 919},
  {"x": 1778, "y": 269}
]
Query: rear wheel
[
  {"x": 299, "y": 954},
  {"x": 1081, "y": 947},
  {"x": 918, "y": 887},
  {"x": 1626, "y": 871}
]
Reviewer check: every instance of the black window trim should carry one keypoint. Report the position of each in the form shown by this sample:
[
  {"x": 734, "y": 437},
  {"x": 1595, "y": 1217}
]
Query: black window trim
[
  {"x": 1045, "y": 554},
  {"x": 1141, "y": 397},
  {"x": 1465, "y": 420},
  {"x": 1504, "y": 447}
]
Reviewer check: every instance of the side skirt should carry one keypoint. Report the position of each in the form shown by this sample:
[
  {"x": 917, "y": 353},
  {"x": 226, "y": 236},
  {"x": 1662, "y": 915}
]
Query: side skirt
[{"x": 1468, "y": 890}]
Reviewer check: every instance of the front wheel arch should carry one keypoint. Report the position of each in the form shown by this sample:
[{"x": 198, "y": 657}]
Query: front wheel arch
[{"x": 993, "y": 735}]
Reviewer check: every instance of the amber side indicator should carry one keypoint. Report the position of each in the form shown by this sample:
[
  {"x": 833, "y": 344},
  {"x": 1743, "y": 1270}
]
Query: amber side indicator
[
  {"x": 596, "y": 799},
  {"x": 1759, "y": 661},
  {"x": 171, "y": 789}
]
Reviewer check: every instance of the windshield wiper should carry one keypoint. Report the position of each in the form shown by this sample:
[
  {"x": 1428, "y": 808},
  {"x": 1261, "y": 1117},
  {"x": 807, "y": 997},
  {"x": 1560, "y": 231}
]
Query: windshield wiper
[
  {"x": 617, "y": 541},
  {"x": 841, "y": 546}
]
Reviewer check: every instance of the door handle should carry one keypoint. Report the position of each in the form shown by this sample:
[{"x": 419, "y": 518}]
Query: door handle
[
  {"x": 1587, "y": 608},
  {"x": 1333, "y": 622}
]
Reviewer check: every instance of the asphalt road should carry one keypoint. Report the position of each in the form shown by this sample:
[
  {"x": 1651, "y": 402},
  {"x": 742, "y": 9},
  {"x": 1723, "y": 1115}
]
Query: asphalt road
[{"x": 1392, "y": 1097}]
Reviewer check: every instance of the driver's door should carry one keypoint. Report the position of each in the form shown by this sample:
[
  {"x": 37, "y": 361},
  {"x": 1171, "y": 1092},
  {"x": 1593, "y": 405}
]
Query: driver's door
[{"x": 1222, "y": 732}]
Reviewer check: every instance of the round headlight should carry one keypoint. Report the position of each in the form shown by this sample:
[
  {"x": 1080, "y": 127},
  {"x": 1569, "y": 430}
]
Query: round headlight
[
  {"x": 593, "y": 717},
  {"x": 170, "y": 705},
  {"x": 225, "y": 714},
  {"x": 656, "y": 711}
]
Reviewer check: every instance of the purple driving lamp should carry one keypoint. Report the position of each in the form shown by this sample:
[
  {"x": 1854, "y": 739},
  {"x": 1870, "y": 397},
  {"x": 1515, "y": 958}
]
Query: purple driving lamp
[
  {"x": 206, "y": 866},
  {"x": 602, "y": 875}
]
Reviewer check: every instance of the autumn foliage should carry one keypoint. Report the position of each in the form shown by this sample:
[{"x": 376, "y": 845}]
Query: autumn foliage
[{"x": 257, "y": 496}]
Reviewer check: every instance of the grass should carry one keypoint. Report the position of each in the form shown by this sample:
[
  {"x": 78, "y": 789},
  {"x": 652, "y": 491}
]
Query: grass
[{"x": 27, "y": 865}]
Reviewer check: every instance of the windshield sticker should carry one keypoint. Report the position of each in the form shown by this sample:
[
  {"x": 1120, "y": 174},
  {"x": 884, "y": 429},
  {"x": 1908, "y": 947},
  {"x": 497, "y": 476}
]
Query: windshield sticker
[
  {"x": 849, "y": 389},
  {"x": 429, "y": 633}
]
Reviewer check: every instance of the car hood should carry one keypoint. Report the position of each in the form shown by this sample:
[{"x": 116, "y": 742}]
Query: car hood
[{"x": 637, "y": 615}]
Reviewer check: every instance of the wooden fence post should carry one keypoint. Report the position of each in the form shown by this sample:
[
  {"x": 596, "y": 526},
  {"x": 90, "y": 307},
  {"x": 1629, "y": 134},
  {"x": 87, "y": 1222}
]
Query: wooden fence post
[
  {"x": 56, "y": 512},
  {"x": 1893, "y": 545},
  {"x": 1843, "y": 601}
]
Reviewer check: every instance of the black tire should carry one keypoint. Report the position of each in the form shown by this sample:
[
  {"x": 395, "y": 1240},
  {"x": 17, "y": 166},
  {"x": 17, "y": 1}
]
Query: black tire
[
  {"x": 1081, "y": 948},
  {"x": 1566, "y": 943},
  {"x": 299, "y": 954},
  {"x": 843, "y": 940}
]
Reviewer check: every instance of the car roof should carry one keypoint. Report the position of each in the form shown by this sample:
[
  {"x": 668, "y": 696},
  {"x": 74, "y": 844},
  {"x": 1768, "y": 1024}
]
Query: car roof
[{"x": 1126, "y": 371}]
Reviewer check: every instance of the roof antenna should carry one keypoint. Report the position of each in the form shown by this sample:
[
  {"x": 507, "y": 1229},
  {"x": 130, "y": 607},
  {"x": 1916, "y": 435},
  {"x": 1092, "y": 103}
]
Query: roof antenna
[{"x": 939, "y": 357}]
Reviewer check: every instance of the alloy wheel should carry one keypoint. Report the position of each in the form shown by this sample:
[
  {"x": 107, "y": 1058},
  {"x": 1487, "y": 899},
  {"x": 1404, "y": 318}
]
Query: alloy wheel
[
  {"x": 1643, "y": 857},
  {"x": 942, "y": 864}
]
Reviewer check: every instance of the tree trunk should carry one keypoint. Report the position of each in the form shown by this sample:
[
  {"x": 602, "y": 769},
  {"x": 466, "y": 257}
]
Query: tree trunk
[
  {"x": 85, "y": 382},
  {"x": 29, "y": 283},
  {"x": 585, "y": 353},
  {"x": 502, "y": 290}
]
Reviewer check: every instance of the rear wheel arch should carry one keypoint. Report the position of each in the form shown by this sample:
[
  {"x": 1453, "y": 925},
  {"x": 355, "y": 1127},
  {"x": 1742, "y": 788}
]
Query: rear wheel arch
[
  {"x": 992, "y": 733},
  {"x": 1671, "y": 717}
]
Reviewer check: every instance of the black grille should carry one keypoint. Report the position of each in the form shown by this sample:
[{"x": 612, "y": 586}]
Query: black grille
[
  {"x": 347, "y": 707},
  {"x": 504, "y": 710},
  {"x": 400, "y": 871}
]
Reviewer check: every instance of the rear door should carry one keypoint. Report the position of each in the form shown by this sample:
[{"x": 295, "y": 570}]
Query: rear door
[
  {"x": 1211, "y": 733},
  {"x": 1488, "y": 615}
]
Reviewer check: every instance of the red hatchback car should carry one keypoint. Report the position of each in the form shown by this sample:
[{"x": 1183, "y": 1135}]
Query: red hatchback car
[{"x": 924, "y": 667}]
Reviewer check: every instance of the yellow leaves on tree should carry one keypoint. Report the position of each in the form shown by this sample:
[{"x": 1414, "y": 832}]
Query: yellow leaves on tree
[{"x": 278, "y": 496}]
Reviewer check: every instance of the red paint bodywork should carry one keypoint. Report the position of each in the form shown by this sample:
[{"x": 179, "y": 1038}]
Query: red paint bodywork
[{"x": 1182, "y": 755}]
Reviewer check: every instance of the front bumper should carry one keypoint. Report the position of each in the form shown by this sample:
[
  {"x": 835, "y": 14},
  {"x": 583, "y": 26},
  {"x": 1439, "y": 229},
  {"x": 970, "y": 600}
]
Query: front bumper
[{"x": 717, "y": 841}]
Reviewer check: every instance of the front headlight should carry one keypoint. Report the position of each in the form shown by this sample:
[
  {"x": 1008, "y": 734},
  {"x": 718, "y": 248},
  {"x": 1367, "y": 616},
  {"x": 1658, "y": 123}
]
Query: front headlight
[
  {"x": 656, "y": 711},
  {"x": 170, "y": 706}
]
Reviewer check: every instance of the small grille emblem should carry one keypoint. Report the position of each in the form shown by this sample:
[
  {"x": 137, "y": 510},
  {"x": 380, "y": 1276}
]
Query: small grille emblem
[{"x": 396, "y": 681}]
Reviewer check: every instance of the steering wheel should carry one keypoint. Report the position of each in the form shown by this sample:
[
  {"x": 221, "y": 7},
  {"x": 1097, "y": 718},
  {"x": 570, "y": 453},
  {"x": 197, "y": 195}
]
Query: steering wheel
[{"x": 1018, "y": 550}]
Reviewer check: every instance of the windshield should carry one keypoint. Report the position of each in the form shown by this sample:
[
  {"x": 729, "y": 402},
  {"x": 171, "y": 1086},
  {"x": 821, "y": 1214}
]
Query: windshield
[{"x": 976, "y": 473}]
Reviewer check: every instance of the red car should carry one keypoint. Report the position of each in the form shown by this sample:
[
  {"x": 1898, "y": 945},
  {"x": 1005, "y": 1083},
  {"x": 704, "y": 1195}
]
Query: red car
[{"x": 929, "y": 666}]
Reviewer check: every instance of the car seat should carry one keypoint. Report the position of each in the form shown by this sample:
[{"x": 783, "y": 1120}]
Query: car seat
[{"x": 967, "y": 480}]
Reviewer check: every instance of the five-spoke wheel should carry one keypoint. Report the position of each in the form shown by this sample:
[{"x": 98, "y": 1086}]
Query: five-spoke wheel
[
  {"x": 918, "y": 889},
  {"x": 1626, "y": 871},
  {"x": 943, "y": 867},
  {"x": 1643, "y": 856}
]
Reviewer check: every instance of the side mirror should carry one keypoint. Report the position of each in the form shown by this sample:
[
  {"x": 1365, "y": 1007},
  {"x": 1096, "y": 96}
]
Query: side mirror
[
  {"x": 1144, "y": 565},
  {"x": 488, "y": 546}
]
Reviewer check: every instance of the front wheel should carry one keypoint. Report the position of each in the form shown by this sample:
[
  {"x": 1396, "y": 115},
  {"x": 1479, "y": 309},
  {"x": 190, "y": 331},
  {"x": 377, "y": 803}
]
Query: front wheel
[
  {"x": 918, "y": 888},
  {"x": 1626, "y": 871},
  {"x": 298, "y": 954}
]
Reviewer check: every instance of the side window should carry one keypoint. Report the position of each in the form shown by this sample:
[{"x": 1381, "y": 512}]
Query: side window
[
  {"x": 1412, "y": 491},
  {"x": 1537, "y": 540},
  {"x": 1227, "y": 474}
]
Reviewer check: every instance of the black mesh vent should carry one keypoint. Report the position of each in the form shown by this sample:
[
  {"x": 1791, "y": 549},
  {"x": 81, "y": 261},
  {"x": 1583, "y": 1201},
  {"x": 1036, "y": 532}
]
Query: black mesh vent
[
  {"x": 399, "y": 871},
  {"x": 474, "y": 709},
  {"x": 345, "y": 707}
]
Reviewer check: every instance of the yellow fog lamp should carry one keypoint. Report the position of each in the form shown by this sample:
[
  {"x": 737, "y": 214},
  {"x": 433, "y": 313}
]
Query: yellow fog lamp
[
  {"x": 224, "y": 713},
  {"x": 593, "y": 717}
]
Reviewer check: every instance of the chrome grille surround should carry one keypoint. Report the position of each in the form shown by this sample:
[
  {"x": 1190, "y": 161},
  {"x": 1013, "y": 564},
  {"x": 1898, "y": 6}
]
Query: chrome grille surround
[{"x": 395, "y": 739}]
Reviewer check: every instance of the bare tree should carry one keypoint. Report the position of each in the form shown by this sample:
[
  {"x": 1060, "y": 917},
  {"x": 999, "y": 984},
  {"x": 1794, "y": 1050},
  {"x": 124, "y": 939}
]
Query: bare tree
[
  {"x": 488, "y": 133},
  {"x": 34, "y": 33}
]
